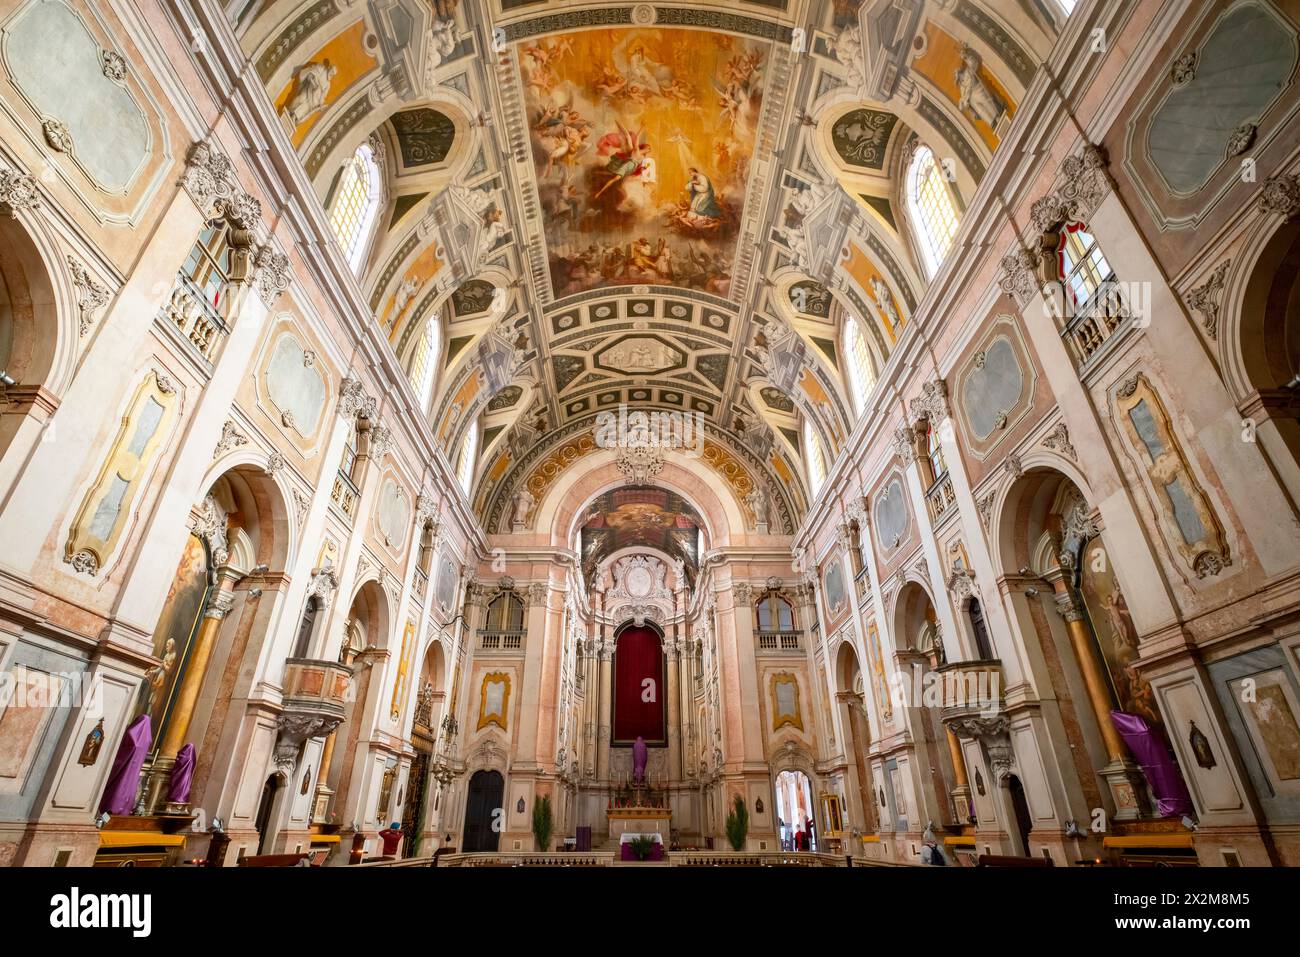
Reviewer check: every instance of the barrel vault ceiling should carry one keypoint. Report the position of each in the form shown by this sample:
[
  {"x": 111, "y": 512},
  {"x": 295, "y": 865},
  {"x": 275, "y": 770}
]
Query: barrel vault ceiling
[{"x": 666, "y": 206}]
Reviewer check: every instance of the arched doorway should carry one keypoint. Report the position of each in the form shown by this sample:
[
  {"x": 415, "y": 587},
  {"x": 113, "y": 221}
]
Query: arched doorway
[
  {"x": 852, "y": 695},
  {"x": 483, "y": 811},
  {"x": 1262, "y": 342},
  {"x": 1024, "y": 823},
  {"x": 33, "y": 347},
  {"x": 267, "y": 812},
  {"x": 796, "y": 818},
  {"x": 640, "y": 696}
]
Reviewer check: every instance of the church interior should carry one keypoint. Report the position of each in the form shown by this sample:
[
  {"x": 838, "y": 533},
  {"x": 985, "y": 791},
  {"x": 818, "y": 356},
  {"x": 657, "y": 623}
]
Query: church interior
[{"x": 787, "y": 433}]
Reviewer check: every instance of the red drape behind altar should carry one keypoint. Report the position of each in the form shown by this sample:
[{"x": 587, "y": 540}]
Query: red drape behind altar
[{"x": 638, "y": 655}]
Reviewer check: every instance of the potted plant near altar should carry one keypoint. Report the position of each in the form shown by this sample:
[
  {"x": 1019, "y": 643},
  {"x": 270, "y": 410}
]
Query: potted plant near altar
[
  {"x": 543, "y": 823},
  {"x": 737, "y": 824},
  {"x": 641, "y": 846}
]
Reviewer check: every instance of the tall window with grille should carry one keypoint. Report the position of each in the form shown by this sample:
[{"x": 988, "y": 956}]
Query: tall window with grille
[
  {"x": 934, "y": 212},
  {"x": 424, "y": 360},
  {"x": 934, "y": 454},
  {"x": 503, "y": 628},
  {"x": 862, "y": 378},
  {"x": 208, "y": 264},
  {"x": 1083, "y": 267},
  {"x": 816, "y": 458},
  {"x": 356, "y": 204},
  {"x": 465, "y": 465}
]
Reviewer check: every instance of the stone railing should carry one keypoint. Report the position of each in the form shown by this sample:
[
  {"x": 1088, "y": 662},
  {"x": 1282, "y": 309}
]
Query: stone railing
[
  {"x": 344, "y": 495},
  {"x": 608, "y": 859},
  {"x": 755, "y": 859},
  {"x": 528, "y": 859},
  {"x": 500, "y": 640},
  {"x": 940, "y": 500},
  {"x": 197, "y": 321},
  {"x": 970, "y": 689},
  {"x": 1096, "y": 322},
  {"x": 780, "y": 642}
]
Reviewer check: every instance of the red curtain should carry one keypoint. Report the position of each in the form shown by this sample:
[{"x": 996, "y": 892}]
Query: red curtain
[{"x": 639, "y": 656}]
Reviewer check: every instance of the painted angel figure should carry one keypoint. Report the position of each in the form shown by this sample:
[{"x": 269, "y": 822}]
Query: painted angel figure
[
  {"x": 629, "y": 155},
  {"x": 313, "y": 86}
]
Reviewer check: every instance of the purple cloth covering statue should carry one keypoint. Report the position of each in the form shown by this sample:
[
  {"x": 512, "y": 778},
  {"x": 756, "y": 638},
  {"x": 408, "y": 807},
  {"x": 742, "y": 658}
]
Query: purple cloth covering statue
[
  {"x": 640, "y": 755},
  {"x": 178, "y": 792},
  {"x": 1158, "y": 765},
  {"x": 124, "y": 779}
]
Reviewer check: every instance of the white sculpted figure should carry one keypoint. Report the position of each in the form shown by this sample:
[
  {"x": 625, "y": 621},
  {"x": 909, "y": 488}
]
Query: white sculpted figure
[
  {"x": 405, "y": 293},
  {"x": 848, "y": 51},
  {"x": 313, "y": 86},
  {"x": 442, "y": 44},
  {"x": 523, "y": 504},
  {"x": 884, "y": 300},
  {"x": 976, "y": 96}
]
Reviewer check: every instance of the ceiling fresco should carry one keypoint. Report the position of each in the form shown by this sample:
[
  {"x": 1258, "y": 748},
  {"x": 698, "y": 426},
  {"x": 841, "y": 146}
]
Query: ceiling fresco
[
  {"x": 670, "y": 207},
  {"x": 642, "y": 141},
  {"x": 639, "y": 515}
]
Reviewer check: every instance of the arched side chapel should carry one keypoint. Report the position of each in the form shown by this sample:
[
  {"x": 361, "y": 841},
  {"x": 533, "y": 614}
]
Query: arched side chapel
[{"x": 437, "y": 439}]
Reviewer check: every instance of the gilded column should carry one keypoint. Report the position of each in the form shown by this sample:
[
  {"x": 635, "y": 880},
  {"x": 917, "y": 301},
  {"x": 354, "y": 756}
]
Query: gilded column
[
  {"x": 1127, "y": 785},
  {"x": 178, "y": 726}
]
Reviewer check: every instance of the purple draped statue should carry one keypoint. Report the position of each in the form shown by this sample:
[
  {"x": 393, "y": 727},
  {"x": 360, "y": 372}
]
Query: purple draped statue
[
  {"x": 178, "y": 792},
  {"x": 124, "y": 779},
  {"x": 640, "y": 754},
  {"x": 1158, "y": 765}
]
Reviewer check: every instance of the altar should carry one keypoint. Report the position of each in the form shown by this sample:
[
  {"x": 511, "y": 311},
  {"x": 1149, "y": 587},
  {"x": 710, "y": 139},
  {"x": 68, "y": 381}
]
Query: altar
[{"x": 638, "y": 820}]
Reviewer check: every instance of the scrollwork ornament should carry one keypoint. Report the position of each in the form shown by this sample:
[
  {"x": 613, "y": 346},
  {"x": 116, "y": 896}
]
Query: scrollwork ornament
[
  {"x": 57, "y": 135},
  {"x": 91, "y": 295},
  {"x": 1205, "y": 299},
  {"x": 113, "y": 65},
  {"x": 1058, "y": 440},
  {"x": 272, "y": 274},
  {"x": 1280, "y": 196},
  {"x": 1184, "y": 69},
  {"x": 18, "y": 191}
]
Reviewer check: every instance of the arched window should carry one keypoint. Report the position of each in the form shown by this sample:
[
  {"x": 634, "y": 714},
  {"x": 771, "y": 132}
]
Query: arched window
[
  {"x": 816, "y": 458},
  {"x": 862, "y": 377},
  {"x": 1083, "y": 267},
  {"x": 930, "y": 200},
  {"x": 465, "y": 466},
  {"x": 356, "y": 204},
  {"x": 1067, "y": 6},
  {"x": 775, "y": 613},
  {"x": 505, "y": 613},
  {"x": 424, "y": 360}
]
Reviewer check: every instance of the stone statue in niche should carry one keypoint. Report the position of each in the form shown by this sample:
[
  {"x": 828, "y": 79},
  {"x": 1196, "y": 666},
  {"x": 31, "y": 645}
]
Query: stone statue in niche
[
  {"x": 977, "y": 98},
  {"x": 523, "y": 505},
  {"x": 314, "y": 81}
]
